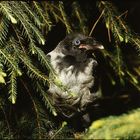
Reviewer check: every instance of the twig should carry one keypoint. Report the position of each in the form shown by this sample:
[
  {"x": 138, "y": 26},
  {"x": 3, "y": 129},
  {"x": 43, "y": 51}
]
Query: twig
[
  {"x": 109, "y": 36},
  {"x": 96, "y": 23},
  {"x": 59, "y": 130},
  {"x": 124, "y": 13}
]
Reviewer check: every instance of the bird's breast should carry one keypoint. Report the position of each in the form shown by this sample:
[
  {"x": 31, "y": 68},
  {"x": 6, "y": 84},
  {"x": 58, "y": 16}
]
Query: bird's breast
[{"x": 75, "y": 77}]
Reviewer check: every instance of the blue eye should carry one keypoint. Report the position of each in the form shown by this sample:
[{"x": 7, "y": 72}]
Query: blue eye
[{"x": 77, "y": 42}]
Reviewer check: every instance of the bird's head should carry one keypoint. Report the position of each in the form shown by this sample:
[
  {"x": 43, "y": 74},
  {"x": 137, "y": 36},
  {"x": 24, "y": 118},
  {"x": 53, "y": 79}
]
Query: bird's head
[{"x": 75, "y": 48}]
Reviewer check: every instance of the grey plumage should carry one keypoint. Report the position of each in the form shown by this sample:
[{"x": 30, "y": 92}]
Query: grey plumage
[{"x": 74, "y": 69}]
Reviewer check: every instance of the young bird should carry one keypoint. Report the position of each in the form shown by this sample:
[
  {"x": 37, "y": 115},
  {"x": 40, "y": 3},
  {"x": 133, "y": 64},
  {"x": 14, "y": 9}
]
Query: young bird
[{"x": 74, "y": 68}]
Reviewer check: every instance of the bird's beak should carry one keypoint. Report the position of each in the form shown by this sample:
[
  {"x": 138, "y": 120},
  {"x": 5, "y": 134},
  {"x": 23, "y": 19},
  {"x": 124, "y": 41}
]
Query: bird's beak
[
  {"x": 90, "y": 47},
  {"x": 90, "y": 44}
]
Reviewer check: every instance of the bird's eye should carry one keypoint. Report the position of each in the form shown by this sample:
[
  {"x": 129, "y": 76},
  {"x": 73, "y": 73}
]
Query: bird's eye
[{"x": 77, "y": 42}]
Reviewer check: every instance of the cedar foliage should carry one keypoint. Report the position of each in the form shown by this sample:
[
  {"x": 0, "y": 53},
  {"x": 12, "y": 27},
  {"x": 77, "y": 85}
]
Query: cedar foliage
[{"x": 26, "y": 109}]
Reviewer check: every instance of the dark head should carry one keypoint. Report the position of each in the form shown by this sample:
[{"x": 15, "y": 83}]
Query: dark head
[
  {"x": 80, "y": 41},
  {"x": 75, "y": 48}
]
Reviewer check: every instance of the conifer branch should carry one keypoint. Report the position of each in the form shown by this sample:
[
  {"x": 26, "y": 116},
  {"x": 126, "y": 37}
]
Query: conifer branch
[
  {"x": 118, "y": 27},
  {"x": 13, "y": 87},
  {"x": 44, "y": 60},
  {"x": 59, "y": 130},
  {"x": 20, "y": 39},
  {"x": 7, "y": 11},
  {"x": 40, "y": 12},
  {"x": 54, "y": 10},
  {"x": 9, "y": 61},
  {"x": 4, "y": 25},
  {"x": 33, "y": 16},
  {"x": 64, "y": 16},
  {"x": 29, "y": 27},
  {"x": 46, "y": 99},
  {"x": 32, "y": 71},
  {"x": 80, "y": 16}
]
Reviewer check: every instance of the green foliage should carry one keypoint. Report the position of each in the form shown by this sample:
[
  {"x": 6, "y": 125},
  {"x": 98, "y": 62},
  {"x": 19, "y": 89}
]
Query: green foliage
[
  {"x": 115, "y": 23},
  {"x": 21, "y": 28},
  {"x": 24, "y": 66},
  {"x": 121, "y": 33},
  {"x": 125, "y": 126},
  {"x": 2, "y": 74}
]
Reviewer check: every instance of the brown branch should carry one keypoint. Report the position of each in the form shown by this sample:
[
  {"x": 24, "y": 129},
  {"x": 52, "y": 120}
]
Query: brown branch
[{"x": 96, "y": 23}]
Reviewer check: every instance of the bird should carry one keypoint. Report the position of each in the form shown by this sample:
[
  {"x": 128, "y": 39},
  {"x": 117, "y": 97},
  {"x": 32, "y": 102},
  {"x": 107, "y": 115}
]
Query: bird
[{"x": 74, "y": 65}]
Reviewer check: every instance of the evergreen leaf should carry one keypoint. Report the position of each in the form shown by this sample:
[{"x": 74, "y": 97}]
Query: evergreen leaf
[
  {"x": 28, "y": 27},
  {"x": 32, "y": 71},
  {"x": 46, "y": 99},
  {"x": 43, "y": 59},
  {"x": 33, "y": 15},
  {"x": 13, "y": 87},
  {"x": 45, "y": 17},
  {"x": 2, "y": 74},
  {"x": 64, "y": 16},
  {"x": 7, "y": 11},
  {"x": 9, "y": 60},
  {"x": 4, "y": 25}
]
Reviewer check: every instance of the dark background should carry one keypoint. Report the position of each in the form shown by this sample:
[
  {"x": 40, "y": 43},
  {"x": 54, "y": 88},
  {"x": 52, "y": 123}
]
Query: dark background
[{"x": 89, "y": 8}]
